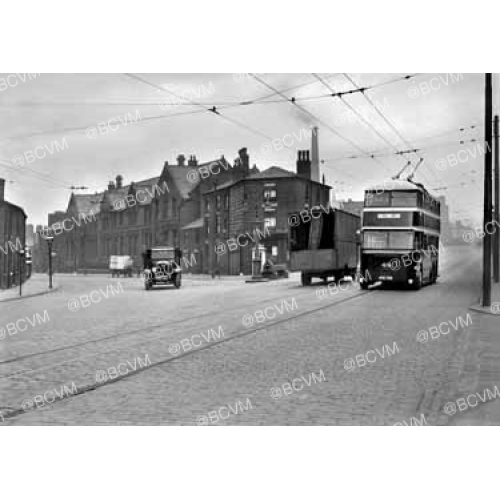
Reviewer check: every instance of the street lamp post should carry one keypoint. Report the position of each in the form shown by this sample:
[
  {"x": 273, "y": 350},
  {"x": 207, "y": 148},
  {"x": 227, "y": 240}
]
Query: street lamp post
[
  {"x": 50, "y": 240},
  {"x": 21, "y": 257}
]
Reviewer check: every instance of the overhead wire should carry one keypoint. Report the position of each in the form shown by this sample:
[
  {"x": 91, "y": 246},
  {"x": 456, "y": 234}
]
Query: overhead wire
[
  {"x": 311, "y": 115},
  {"x": 379, "y": 112}
]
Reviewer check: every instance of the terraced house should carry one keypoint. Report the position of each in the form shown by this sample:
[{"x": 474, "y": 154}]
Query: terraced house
[
  {"x": 190, "y": 205},
  {"x": 127, "y": 219}
]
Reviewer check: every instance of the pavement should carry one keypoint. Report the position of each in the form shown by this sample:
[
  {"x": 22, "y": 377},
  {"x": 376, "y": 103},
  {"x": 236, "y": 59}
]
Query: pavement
[
  {"x": 481, "y": 400},
  {"x": 37, "y": 285},
  {"x": 336, "y": 356}
]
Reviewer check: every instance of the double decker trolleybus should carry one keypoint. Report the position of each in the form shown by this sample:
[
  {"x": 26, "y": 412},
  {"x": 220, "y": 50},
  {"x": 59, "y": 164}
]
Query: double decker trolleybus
[{"x": 400, "y": 235}]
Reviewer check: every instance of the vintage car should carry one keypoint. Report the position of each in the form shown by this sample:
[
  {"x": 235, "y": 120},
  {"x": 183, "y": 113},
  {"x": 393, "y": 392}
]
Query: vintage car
[{"x": 162, "y": 267}]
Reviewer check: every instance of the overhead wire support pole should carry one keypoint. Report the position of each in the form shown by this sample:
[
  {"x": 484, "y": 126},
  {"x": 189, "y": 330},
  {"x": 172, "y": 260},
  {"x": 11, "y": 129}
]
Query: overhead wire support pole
[
  {"x": 496, "y": 241},
  {"x": 488, "y": 213}
]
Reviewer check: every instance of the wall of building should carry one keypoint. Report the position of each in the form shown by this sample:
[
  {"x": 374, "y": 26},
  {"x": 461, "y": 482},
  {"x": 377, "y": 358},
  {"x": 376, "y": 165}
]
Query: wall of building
[
  {"x": 12, "y": 239},
  {"x": 247, "y": 211}
]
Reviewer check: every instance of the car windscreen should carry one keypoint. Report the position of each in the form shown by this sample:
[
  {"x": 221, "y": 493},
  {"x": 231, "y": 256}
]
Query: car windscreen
[{"x": 163, "y": 254}]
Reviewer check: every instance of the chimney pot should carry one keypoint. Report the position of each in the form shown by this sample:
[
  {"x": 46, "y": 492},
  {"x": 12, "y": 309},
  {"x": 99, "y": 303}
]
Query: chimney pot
[
  {"x": 192, "y": 162},
  {"x": 304, "y": 165}
]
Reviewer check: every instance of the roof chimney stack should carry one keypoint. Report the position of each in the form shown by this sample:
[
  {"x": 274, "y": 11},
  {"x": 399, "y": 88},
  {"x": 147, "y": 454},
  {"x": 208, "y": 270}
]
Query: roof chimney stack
[
  {"x": 192, "y": 162},
  {"x": 181, "y": 159},
  {"x": 304, "y": 165},
  {"x": 111, "y": 186},
  {"x": 119, "y": 181}
]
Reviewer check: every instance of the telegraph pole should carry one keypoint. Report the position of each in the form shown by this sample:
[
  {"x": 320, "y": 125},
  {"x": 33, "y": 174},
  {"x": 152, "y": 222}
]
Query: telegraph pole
[
  {"x": 487, "y": 215},
  {"x": 496, "y": 238}
]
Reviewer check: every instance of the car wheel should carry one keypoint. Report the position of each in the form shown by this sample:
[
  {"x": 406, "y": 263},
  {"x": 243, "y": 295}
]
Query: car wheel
[{"x": 177, "y": 282}]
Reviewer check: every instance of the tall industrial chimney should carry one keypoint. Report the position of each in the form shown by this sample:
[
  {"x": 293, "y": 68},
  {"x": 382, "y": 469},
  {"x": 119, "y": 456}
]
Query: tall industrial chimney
[
  {"x": 315, "y": 156},
  {"x": 2, "y": 189}
]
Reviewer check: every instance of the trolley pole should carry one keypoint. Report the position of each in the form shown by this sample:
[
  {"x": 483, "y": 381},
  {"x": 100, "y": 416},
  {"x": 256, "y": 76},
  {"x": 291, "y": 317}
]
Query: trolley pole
[
  {"x": 496, "y": 238},
  {"x": 488, "y": 212}
]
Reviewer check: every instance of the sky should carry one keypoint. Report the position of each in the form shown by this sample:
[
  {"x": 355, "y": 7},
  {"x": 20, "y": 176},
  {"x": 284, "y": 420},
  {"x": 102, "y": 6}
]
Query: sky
[{"x": 54, "y": 130}]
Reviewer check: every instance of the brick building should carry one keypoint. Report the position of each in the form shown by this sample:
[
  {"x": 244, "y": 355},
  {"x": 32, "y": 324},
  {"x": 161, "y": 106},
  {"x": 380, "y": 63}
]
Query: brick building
[
  {"x": 352, "y": 206},
  {"x": 12, "y": 240},
  {"x": 256, "y": 207},
  {"x": 127, "y": 219},
  {"x": 190, "y": 205}
]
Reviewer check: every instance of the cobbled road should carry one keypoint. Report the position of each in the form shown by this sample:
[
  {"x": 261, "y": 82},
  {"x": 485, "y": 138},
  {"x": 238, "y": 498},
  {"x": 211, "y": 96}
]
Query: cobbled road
[{"x": 104, "y": 351}]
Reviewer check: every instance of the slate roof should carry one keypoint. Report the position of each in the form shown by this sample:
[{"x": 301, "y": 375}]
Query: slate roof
[
  {"x": 179, "y": 175},
  {"x": 147, "y": 190},
  {"x": 272, "y": 173}
]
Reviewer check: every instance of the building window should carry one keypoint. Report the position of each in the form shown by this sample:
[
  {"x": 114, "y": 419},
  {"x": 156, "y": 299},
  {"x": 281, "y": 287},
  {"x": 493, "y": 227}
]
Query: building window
[
  {"x": 218, "y": 224},
  {"x": 270, "y": 222},
  {"x": 226, "y": 201},
  {"x": 270, "y": 195},
  {"x": 274, "y": 251},
  {"x": 217, "y": 202},
  {"x": 186, "y": 238}
]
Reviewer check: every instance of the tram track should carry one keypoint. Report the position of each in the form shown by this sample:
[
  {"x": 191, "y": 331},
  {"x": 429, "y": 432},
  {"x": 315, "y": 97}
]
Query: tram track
[
  {"x": 116, "y": 335},
  {"x": 83, "y": 389}
]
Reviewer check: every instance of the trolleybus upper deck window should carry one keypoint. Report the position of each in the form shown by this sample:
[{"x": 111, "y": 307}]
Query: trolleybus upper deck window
[
  {"x": 403, "y": 199},
  {"x": 377, "y": 200}
]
